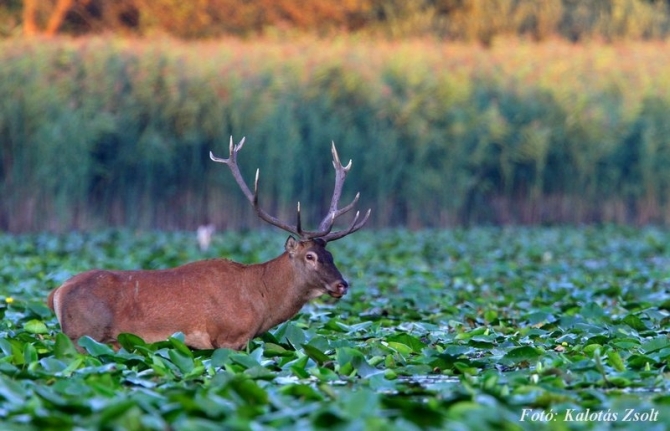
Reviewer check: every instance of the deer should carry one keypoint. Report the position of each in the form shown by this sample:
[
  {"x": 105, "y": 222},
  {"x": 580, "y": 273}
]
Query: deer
[
  {"x": 215, "y": 303},
  {"x": 204, "y": 235}
]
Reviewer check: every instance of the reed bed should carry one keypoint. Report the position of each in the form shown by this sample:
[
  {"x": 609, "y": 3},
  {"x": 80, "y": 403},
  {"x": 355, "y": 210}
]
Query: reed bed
[{"x": 108, "y": 131}]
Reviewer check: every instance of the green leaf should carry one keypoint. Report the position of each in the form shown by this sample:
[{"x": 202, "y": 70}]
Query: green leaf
[
  {"x": 293, "y": 335},
  {"x": 317, "y": 355},
  {"x": 619, "y": 381},
  {"x": 401, "y": 348},
  {"x": 72, "y": 367},
  {"x": 260, "y": 373},
  {"x": 160, "y": 366},
  {"x": 13, "y": 349},
  {"x": 221, "y": 357},
  {"x": 350, "y": 359},
  {"x": 6, "y": 347},
  {"x": 40, "y": 309},
  {"x": 538, "y": 317},
  {"x": 29, "y": 353},
  {"x": 634, "y": 322},
  {"x": 64, "y": 347},
  {"x": 183, "y": 362},
  {"x": 12, "y": 392},
  {"x": 178, "y": 343},
  {"x": 655, "y": 344},
  {"x": 361, "y": 403},
  {"x": 48, "y": 394},
  {"x": 114, "y": 410},
  {"x": 411, "y": 341},
  {"x": 615, "y": 360},
  {"x": 327, "y": 375},
  {"x": 301, "y": 392},
  {"x": 95, "y": 348},
  {"x": 52, "y": 365},
  {"x": 35, "y": 327},
  {"x": 130, "y": 342},
  {"x": 523, "y": 353},
  {"x": 298, "y": 367},
  {"x": 640, "y": 361},
  {"x": 249, "y": 391},
  {"x": 466, "y": 369},
  {"x": 271, "y": 349},
  {"x": 244, "y": 359}
]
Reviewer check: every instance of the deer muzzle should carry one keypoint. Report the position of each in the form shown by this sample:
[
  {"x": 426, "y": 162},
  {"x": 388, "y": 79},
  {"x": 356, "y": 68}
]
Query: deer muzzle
[{"x": 338, "y": 288}]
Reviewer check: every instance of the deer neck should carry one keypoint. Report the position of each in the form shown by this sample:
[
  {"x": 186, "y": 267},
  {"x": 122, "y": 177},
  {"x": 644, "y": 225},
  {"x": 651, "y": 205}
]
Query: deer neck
[{"x": 284, "y": 292}]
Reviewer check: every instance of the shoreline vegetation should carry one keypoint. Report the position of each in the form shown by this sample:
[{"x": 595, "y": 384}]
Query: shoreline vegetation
[{"x": 107, "y": 131}]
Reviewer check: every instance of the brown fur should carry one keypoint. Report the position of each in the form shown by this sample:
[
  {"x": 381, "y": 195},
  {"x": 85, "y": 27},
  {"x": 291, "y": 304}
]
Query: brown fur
[{"x": 215, "y": 303}]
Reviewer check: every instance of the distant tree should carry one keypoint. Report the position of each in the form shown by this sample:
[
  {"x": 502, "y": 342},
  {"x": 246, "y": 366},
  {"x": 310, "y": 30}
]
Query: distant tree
[
  {"x": 37, "y": 11},
  {"x": 467, "y": 20}
]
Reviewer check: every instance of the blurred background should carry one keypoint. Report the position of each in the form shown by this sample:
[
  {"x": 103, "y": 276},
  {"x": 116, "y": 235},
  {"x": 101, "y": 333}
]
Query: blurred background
[{"x": 455, "y": 112}]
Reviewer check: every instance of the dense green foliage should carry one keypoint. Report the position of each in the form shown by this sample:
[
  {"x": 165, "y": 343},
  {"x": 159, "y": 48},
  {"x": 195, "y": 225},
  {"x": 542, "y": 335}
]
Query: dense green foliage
[
  {"x": 99, "y": 132},
  {"x": 446, "y": 330}
]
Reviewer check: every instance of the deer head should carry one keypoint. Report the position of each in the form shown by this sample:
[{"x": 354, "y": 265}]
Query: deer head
[{"x": 314, "y": 266}]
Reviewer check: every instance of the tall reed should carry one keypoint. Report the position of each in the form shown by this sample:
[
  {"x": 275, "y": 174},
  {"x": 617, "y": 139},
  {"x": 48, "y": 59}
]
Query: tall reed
[{"x": 107, "y": 131}]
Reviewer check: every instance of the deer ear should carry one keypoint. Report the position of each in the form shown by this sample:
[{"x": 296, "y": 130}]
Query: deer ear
[{"x": 291, "y": 245}]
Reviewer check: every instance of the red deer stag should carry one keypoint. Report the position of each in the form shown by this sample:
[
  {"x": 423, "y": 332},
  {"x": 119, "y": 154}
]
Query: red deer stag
[{"x": 217, "y": 302}]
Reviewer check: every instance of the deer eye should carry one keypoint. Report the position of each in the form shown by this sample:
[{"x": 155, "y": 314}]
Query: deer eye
[{"x": 310, "y": 256}]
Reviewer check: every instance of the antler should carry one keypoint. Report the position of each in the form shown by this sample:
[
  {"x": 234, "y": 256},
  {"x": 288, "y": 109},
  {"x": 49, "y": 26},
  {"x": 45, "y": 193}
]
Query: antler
[
  {"x": 327, "y": 223},
  {"x": 333, "y": 211}
]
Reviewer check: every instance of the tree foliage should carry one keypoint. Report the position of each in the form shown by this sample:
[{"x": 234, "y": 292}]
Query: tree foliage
[{"x": 470, "y": 20}]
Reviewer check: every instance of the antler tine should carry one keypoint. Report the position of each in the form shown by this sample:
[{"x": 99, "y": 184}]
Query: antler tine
[
  {"x": 255, "y": 200},
  {"x": 239, "y": 146},
  {"x": 298, "y": 223},
  {"x": 317, "y": 234},
  {"x": 336, "y": 158},
  {"x": 310, "y": 234},
  {"x": 333, "y": 212},
  {"x": 353, "y": 227},
  {"x": 340, "y": 176},
  {"x": 231, "y": 162}
]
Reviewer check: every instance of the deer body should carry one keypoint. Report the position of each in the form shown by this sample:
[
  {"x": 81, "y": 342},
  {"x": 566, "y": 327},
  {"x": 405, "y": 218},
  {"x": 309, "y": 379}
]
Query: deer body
[{"x": 214, "y": 303}]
